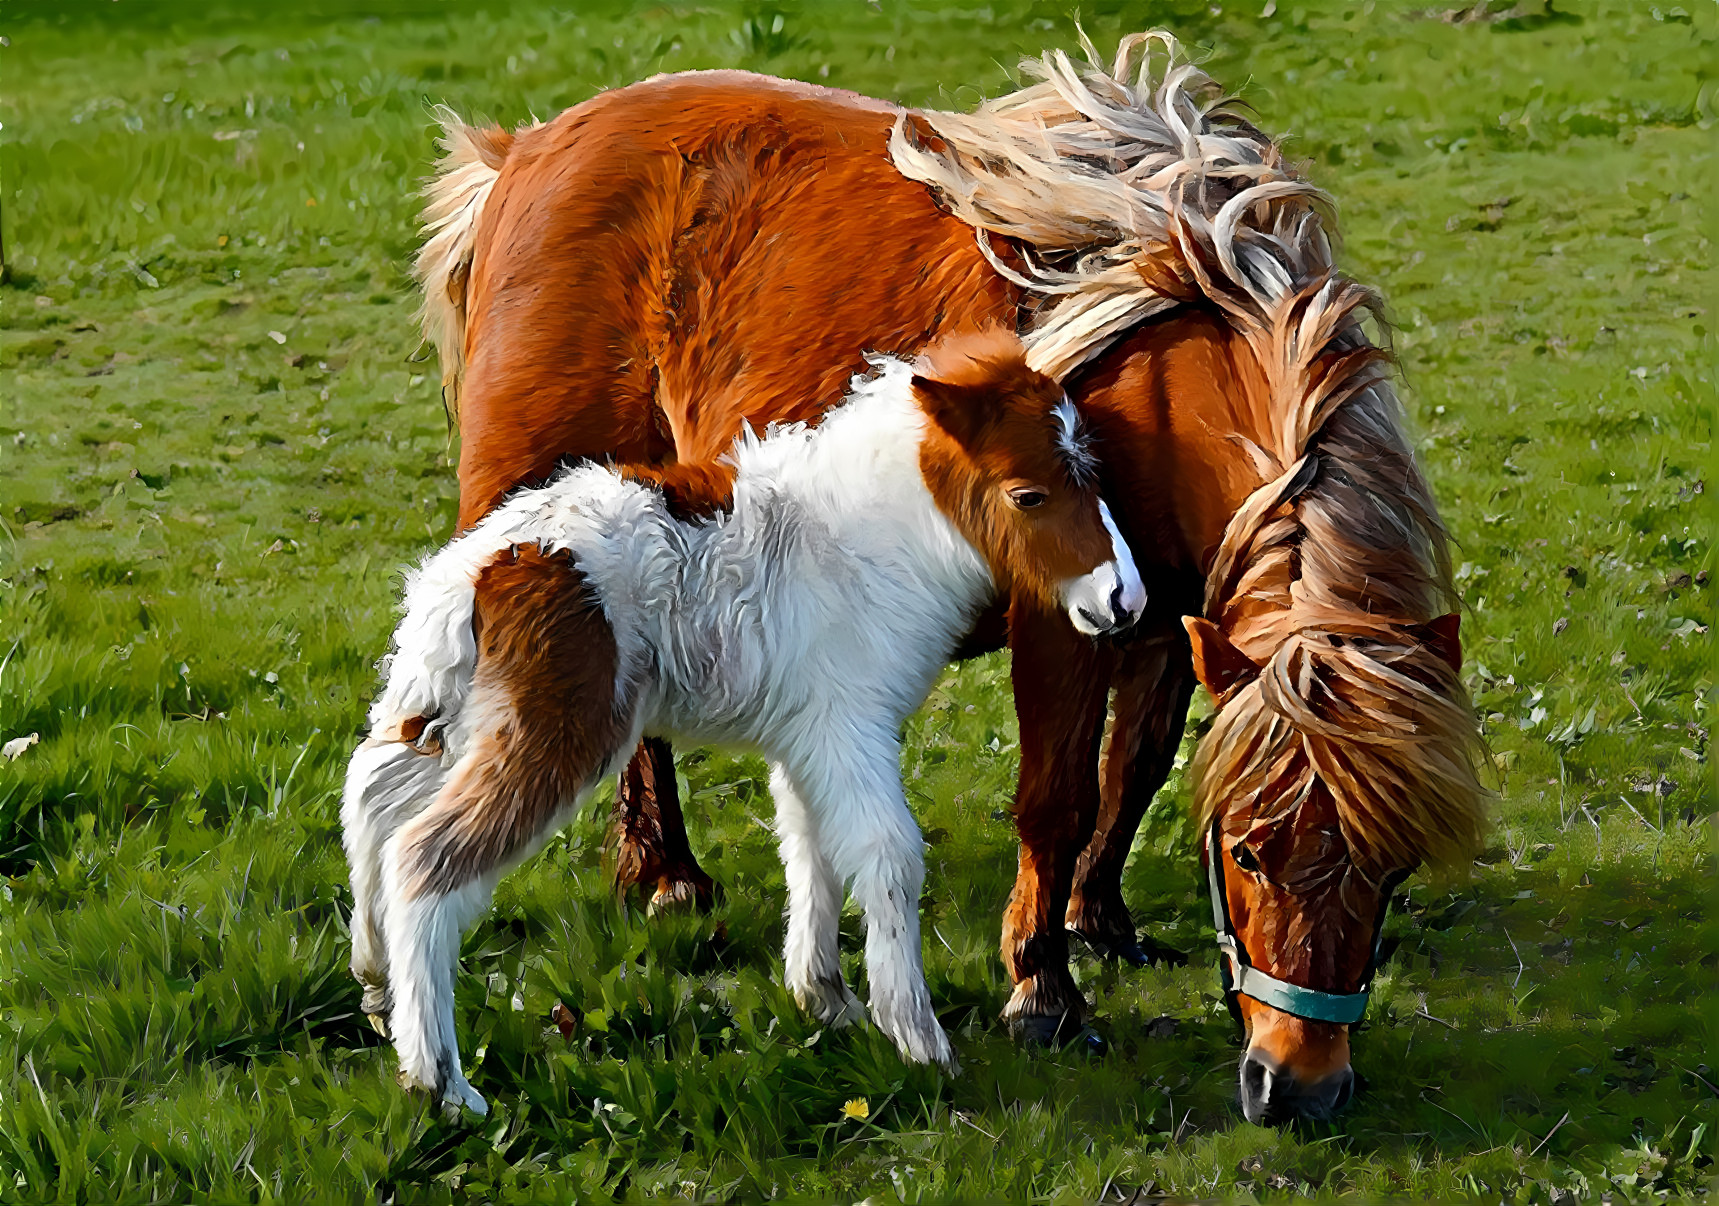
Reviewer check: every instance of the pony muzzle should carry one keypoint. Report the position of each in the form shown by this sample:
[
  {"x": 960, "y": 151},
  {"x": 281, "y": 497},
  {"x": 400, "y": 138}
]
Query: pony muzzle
[
  {"x": 1110, "y": 597},
  {"x": 1292, "y": 1067}
]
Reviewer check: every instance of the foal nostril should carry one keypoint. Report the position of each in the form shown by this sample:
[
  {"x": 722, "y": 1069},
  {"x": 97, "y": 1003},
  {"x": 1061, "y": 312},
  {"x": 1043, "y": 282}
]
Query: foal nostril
[{"x": 1118, "y": 613}]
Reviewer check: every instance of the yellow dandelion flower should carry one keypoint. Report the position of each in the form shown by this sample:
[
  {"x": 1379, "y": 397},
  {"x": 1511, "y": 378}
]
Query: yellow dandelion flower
[{"x": 859, "y": 1108}]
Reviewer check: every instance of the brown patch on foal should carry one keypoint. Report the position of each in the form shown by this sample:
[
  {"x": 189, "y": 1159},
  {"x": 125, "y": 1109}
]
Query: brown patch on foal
[
  {"x": 691, "y": 490},
  {"x": 543, "y": 703},
  {"x": 990, "y": 415}
]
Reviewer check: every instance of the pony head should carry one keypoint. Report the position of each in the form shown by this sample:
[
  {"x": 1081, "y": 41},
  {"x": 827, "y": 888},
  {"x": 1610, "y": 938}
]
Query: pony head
[
  {"x": 1006, "y": 457},
  {"x": 1344, "y": 750}
]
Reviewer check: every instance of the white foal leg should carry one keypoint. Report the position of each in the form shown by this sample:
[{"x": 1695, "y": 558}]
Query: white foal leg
[
  {"x": 423, "y": 933},
  {"x": 438, "y": 871},
  {"x": 810, "y": 954},
  {"x": 387, "y": 783},
  {"x": 871, "y": 840}
]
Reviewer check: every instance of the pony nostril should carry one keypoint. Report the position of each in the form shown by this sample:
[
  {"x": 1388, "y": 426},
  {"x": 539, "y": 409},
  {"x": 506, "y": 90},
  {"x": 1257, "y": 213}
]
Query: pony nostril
[
  {"x": 1344, "y": 1090},
  {"x": 1117, "y": 610},
  {"x": 1258, "y": 1085}
]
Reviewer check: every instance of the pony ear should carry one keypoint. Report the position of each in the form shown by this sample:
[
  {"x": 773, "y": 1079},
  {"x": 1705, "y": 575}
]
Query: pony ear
[
  {"x": 1442, "y": 638},
  {"x": 957, "y": 409},
  {"x": 1218, "y": 664}
]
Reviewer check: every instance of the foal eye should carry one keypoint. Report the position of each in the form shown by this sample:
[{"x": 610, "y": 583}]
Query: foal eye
[
  {"x": 1026, "y": 498},
  {"x": 1244, "y": 857}
]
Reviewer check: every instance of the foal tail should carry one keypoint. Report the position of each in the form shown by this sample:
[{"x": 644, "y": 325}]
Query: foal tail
[
  {"x": 470, "y": 163},
  {"x": 500, "y": 711}
]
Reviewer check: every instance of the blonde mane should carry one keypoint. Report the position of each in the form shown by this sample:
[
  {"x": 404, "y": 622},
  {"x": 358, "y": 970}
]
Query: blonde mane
[
  {"x": 1139, "y": 189},
  {"x": 454, "y": 199}
]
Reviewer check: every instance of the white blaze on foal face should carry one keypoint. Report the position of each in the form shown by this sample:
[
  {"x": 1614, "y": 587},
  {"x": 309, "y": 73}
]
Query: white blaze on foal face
[{"x": 1010, "y": 464}]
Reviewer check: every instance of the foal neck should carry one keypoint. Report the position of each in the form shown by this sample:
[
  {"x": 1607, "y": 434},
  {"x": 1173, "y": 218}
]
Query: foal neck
[{"x": 857, "y": 476}]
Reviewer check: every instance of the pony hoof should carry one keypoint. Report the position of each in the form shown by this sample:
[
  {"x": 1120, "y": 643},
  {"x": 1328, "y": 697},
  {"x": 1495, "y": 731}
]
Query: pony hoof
[
  {"x": 1091, "y": 1042},
  {"x": 453, "y": 1097},
  {"x": 932, "y": 1048},
  {"x": 375, "y": 999},
  {"x": 378, "y": 1023},
  {"x": 462, "y": 1096},
  {"x": 680, "y": 897},
  {"x": 832, "y": 1004},
  {"x": 1052, "y": 1031}
]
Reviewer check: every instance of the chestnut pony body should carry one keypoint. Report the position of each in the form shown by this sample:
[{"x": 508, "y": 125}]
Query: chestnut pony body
[
  {"x": 644, "y": 274},
  {"x": 805, "y": 618}
]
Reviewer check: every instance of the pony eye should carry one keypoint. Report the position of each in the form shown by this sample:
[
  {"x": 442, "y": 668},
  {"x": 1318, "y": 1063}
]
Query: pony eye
[
  {"x": 1244, "y": 857},
  {"x": 1026, "y": 498}
]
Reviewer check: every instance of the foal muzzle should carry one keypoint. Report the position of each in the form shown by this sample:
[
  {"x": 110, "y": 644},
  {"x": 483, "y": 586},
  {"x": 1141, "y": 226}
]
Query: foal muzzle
[{"x": 1111, "y": 597}]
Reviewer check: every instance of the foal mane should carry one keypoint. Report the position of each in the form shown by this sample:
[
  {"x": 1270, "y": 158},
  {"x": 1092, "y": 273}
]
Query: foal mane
[{"x": 1140, "y": 189}]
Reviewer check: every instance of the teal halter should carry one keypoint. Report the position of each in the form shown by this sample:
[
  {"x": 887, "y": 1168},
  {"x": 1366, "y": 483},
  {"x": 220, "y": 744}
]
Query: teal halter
[{"x": 1239, "y": 976}]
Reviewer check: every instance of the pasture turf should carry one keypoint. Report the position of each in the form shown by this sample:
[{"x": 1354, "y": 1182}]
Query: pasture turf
[{"x": 219, "y": 444}]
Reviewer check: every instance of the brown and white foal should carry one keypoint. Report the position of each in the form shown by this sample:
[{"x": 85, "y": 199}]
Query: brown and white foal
[{"x": 806, "y": 616}]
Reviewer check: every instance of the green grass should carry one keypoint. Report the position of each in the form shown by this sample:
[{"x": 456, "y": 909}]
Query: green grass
[{"x": 218, "y": 446}]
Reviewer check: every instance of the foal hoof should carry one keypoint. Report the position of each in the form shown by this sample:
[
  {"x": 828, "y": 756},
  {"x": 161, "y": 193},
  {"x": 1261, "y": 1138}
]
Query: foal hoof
[
  {"x": 375, "y": 1006},
  {"x": 832, "y": 1002},
  {"x": 454, "y": 1097},
  {"x": 1133, "y": 951}
]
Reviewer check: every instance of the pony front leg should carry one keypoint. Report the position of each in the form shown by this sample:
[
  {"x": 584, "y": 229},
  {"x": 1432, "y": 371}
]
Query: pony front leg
[
  {"x": 872, "y": 842},
  {"x": 811, "y": 956},
  {"x": 1061, "y": 682}
]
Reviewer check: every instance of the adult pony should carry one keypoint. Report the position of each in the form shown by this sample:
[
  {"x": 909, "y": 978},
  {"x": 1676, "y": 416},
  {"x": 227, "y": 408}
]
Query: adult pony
[
  {"x": 593, "y": 283},
  {"x": 806, "y": 618}
]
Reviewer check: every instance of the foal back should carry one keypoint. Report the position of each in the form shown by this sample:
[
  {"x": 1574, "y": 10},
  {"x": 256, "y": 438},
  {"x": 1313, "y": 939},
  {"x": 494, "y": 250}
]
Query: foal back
[{"x": 678, "y": 245}]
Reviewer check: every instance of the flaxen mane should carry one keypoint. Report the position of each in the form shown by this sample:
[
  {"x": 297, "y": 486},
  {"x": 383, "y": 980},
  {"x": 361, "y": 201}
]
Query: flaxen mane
[
  {"x": 471, "y": 160},
  {"x": 1139, "y": 189}
]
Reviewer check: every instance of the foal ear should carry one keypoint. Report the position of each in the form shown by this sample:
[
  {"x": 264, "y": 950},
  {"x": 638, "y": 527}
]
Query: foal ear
[
  {"x": 957, "y": 409},
  {"x": 1442, "y": 638},
  {"x": 1218, "y": 664}
]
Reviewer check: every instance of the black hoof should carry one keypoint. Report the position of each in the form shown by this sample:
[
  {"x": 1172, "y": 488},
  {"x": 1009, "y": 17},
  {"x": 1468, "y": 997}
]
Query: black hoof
[
  {"x": 1091, "y": 1042},
  {"x": 1133, "y": 951},
  {"x": 1057, "y": 1033}
]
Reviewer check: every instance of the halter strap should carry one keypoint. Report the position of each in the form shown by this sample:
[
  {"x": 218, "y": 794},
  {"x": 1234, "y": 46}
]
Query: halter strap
[{"x": 1238, "y": 975}]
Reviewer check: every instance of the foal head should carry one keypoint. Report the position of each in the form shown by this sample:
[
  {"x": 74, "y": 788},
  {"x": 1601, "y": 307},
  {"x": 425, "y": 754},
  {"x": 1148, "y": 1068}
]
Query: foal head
[{"x": 1006, "y": 458}]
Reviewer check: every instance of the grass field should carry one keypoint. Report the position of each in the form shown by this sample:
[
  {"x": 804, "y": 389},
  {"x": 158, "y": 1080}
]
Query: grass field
[{"x": 219, "y": 445}]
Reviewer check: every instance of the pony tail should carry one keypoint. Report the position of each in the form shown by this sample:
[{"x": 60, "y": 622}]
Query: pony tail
[{"x": 455, "y": 196}]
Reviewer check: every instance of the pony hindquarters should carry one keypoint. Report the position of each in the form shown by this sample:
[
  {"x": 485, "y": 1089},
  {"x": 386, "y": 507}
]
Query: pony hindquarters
[{"x": 536, "y": 725}]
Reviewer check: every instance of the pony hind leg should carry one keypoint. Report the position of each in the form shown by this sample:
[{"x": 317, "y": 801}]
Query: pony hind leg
[
  {"x": 1153, "y": 683},
  {"x": 649, "y": 835},
  {"x": 811, "y": 956},
  {"x": 542, "y": 724}
]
